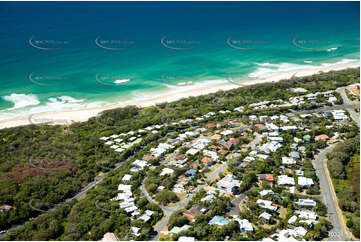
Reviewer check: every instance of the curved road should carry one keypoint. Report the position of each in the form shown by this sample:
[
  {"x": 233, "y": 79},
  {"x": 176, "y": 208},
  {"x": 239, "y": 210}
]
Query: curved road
[
  {"x": 79, "y": 194},
  {"x": 170, "y": 210},
  {"x": 352, "y": 112},
  {"x": 338, "y": 231}
]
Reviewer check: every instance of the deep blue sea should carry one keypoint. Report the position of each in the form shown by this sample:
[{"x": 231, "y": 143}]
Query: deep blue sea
[{"x": 69, "y": 55}]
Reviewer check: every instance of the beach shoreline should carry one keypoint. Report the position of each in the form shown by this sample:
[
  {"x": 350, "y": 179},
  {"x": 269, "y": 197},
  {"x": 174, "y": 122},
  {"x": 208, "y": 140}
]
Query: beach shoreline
[{"x": 82, "y": 115}]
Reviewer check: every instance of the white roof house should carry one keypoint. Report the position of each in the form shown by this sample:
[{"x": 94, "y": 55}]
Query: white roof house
[
  {"x": 122, "y": 187},
  {"x": 265, "y": 216},
  {"x": 131, "y": 209},
  {"x": 211, "y": 154},
  {"x": 109, "y": 143},
  {"x": 144, "y": 217},
  {"x": 339, "y": 115},
  {"x": 276, "y": 138},
  {"x": 285, "y": 180},
  {"x": 166, "y": 171},
  {"x": 288, "y": 161},
  {"x": 300, "y": 231},
  {"x": 226, "y": 132},
  {"x": 306, "y": 202},
  {"x": 141, "y": 163},
  {"x": 114, "y": 146},
  {"x": 291, "y": 127},
  {"x": 292, "y": 219},
  {"x": 245, "y": 225},
  {"x": 186, "y": 238},
  {"x": 253, "y": 117},
  {"x": 120, "y": 150},
  {"x": 126, "y": 177},
  {"x": 265, "y": 192},
  {"x": 228, "y": 182},
  {"x": 201, "y": 143},
  {"x": 161, "y": 149},
  {"x": 176, "y": 230},
  {"x": 271, "y": 126},
  {"x": 299, "y": 172},
  {"x": 192, "y": 151},
  {"x": 266, "y": 204},
  {"x": 135, "y": 231},
  {"x": 262, "y": 156},
  {"x": 249, "y": 159},
  {"x": 209, "y": 197},
  {"x": 306, "y": 214},
  {"x": 191, "y": 133},
  {"x": 305, "y": 182}
]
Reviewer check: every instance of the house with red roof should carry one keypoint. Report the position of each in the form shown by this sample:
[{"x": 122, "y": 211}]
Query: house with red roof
[{"x": 321, "y": 137}]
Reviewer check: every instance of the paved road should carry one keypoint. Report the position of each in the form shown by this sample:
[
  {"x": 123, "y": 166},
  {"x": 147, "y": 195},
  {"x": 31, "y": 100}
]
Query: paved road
[
  {"x": 235, "y": 204},
  {"x": 170, "y": 210},
  {"x": 351, "y": 110},
  {"x": 330, "y": 201},
  {"x": 76, "y": 196}
]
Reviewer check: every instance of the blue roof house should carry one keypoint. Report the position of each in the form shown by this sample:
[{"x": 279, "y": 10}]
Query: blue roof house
[
  {"x": 190, "y": 172},
  {"x": 217, "y": 220}
]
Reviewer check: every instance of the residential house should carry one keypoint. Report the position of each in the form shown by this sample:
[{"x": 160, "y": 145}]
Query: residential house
[
  {"x": 285, "y": 180},
  {"x": 266, "y": 192},
  {"x": 305, "y": 182},
  {"x": 306, "y": 203},
  {"x": 176, "y": 229},
  {"x": 228, "y": 183},
  {"x": 322, "y": 137},
  {"x": 265, "y": 177},
  {"x": 266, "y": 204},
  {"x": 186, "y": 239},
  {"x": 107, "y": 237},
  {"x": 265, "y": 217},
  {"x": 217, "y": 220},
  {"x": 288, "y": 161}
]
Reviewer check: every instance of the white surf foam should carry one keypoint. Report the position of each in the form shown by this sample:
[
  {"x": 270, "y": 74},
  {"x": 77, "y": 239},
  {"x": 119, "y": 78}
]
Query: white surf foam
[
  {"x": 267, "y": 68},
  {"x": 21, "y": 100}
]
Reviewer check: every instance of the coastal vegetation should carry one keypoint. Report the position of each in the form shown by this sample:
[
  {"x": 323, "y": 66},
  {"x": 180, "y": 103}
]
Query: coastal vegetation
[
  {"x": 43, "y": 165},
  {"x": 344, "y": 166}
]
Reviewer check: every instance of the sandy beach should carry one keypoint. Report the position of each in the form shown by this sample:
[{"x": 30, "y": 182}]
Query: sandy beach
[{"x": 81, "y": 115}]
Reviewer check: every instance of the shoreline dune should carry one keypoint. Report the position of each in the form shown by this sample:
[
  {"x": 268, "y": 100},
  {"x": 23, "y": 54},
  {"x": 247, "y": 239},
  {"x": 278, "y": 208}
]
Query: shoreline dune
[{"x": 81, "y": 115}]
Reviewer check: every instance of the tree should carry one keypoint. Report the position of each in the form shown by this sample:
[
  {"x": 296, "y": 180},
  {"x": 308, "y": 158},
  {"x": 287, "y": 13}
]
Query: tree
[{"x": 166, "y": 196}]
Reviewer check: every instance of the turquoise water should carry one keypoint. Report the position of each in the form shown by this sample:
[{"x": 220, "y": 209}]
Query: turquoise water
[{"x": 59, "y": 56}]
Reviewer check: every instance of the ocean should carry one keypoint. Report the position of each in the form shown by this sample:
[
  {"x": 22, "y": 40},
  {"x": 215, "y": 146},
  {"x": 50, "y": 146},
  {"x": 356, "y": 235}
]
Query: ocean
[{"x": 73, "y": 55}]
